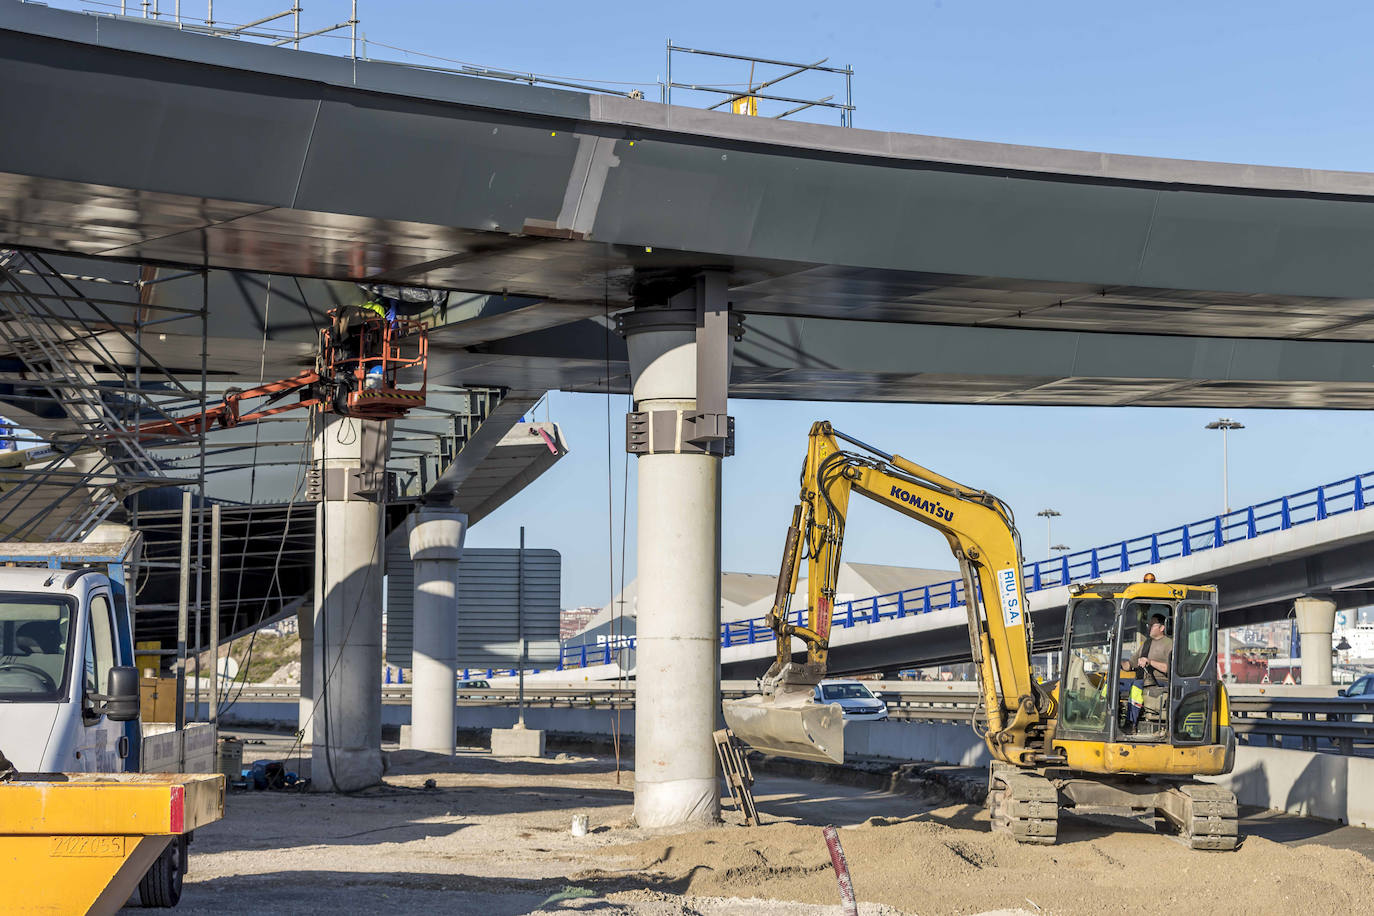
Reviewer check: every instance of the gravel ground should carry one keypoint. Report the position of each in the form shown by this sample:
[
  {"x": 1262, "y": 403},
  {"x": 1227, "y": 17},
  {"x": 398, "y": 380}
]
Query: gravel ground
[{"x": 491, "y": 837}]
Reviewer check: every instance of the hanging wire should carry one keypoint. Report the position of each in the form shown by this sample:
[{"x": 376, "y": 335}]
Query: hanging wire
[{"x": 616, "y": 622}]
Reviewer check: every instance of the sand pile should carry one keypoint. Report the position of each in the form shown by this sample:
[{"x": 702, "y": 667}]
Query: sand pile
[{"x": 947, "y": 862}]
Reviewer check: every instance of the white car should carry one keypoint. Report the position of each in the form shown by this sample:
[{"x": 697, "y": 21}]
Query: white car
[{"x": 854, "y": 697}]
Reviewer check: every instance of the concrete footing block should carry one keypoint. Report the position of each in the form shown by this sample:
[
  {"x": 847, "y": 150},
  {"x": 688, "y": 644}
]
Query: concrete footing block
[{"x": 517, "y": 742}]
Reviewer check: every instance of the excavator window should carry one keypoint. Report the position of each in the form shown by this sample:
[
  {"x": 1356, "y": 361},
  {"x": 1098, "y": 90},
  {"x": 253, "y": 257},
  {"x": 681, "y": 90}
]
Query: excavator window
[
  {"x": 1088, "y": 665},
  {"x": 1195, "y": 644}
]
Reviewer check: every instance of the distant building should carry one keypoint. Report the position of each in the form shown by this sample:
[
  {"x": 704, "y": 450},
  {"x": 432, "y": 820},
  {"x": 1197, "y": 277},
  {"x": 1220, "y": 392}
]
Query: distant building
[{"x": 572, "y": 621}]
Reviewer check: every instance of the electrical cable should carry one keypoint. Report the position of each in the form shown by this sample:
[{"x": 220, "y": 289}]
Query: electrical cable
[
  {"x": 252, "y": 492},
  {"x": 617, "y": 621}
]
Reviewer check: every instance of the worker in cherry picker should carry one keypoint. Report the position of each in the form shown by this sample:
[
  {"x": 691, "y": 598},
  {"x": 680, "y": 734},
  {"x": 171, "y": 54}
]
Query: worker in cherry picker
[{"x": 355, "y": 341}]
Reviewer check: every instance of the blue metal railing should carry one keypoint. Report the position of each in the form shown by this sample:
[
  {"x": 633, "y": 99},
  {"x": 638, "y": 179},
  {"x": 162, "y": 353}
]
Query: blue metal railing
[{"x": 1348, "y": 495}]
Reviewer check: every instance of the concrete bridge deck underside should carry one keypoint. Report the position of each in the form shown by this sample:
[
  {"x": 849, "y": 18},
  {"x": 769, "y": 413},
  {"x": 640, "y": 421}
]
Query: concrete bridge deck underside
[{"x": 872, "y": 265}]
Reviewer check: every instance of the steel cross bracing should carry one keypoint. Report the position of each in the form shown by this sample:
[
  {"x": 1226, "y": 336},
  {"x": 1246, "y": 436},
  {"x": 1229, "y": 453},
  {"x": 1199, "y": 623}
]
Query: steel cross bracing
[{"x": 86, "y": 353}]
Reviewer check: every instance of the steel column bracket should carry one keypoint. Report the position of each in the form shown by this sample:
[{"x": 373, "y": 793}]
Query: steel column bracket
[
  {"x": 344, "y": 484},
  {"x": 362, "y": 478},
  {"x": 704, "y": 308},
  {"x": 679, "y": 432}
]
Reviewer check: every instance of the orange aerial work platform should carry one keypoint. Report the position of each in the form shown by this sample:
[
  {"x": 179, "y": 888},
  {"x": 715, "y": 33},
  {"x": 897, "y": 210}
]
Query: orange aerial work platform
[
  {"x": 78, "y": 843},
  {"x": 367, "y": 366}
]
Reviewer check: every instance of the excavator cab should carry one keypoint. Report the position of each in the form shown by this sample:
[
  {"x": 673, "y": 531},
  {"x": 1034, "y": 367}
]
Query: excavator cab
[
  {"x": 1105, "y": 697},
  {"x": 372, "y": 365}
]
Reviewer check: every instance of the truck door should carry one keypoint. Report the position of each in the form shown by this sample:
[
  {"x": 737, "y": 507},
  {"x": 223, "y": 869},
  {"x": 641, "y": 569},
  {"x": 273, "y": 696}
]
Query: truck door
[
  {"x": 1193, "y": 672},
  {"x": 99, "y": 744}
]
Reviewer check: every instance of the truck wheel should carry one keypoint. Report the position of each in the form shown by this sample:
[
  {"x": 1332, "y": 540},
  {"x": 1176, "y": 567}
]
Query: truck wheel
[{"x": 161, "y": 886}]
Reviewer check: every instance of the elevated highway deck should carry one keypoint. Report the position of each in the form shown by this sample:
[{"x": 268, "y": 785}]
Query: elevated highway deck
[{"x": 871, "y": 265}]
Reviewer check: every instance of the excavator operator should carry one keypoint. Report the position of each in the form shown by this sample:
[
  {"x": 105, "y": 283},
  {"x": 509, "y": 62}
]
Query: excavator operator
[{"x": 1149, "y": 673}]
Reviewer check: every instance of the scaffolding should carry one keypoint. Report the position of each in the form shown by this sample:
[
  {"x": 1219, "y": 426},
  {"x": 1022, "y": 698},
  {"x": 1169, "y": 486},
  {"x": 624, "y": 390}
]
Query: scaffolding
[{"x": 87, "y": 383}]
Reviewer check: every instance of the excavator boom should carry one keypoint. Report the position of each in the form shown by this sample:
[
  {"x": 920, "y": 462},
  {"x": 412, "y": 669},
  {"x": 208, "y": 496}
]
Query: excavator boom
[{"x": 982, "y": 534}]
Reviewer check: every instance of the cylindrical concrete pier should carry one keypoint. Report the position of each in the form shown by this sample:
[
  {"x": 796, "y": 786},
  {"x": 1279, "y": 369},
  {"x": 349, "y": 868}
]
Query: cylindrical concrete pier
[
  {"x": 436, "y": 546},
  {"x": 346, "y": 724},
  {"x": 677, "y": 695},
  {"x": 1316, "y": 621}
]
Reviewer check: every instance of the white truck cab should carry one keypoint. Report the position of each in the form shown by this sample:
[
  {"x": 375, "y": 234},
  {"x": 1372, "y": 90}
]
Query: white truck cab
[
  {"x": 66, "y": 635},
  {"x": 59, "y": 643}
]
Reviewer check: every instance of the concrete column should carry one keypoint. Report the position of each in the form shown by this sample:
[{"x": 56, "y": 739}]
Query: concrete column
[
  {"x": 436, "y": 545},
  {"x": 305, "y": 627},
  {"x": 347, "y": 722},
  {"x": 677, "y": 687},
  {"x": 1316, "y": 621}
]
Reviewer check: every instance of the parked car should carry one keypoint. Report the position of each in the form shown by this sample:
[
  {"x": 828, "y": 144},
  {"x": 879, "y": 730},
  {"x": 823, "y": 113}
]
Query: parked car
[{"x": 854, "y": 697}]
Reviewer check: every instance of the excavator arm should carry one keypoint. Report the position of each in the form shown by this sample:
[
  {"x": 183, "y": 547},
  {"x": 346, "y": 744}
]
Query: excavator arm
[{"x": 982, "y": 535}]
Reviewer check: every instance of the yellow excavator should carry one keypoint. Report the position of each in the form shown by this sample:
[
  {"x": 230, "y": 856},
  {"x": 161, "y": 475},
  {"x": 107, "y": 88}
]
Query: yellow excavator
[{"x": 1131, "y": 722}]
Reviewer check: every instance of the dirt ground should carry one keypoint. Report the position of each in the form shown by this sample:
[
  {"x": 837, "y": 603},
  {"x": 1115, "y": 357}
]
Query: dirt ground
[{"x": 492, "y": 838}]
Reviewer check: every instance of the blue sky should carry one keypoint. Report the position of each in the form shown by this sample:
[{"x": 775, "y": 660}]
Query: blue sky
[{"x": 1269, "y": 83}]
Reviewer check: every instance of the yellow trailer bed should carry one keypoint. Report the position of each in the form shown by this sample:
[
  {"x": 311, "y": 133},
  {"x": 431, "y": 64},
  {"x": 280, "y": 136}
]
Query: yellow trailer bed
[{"x": 80, "y": 844}]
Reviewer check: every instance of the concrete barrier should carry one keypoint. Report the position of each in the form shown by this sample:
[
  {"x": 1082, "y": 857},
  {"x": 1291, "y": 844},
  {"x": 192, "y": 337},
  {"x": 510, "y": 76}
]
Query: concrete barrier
[
  {"x": 576, "y": 721},
  {"x": 1329, "y": 786},
  {"x": 898, "y": 739}
]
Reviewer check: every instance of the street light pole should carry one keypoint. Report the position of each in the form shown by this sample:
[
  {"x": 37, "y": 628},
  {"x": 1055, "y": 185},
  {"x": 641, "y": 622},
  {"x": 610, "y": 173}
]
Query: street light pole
[
  {"x": 1225, "y": 424},
  {"x": 1049, "y": 515}
]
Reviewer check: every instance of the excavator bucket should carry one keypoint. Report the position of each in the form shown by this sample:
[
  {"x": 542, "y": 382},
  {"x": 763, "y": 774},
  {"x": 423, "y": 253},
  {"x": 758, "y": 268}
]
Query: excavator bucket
[{"x": 789, "y": 724}]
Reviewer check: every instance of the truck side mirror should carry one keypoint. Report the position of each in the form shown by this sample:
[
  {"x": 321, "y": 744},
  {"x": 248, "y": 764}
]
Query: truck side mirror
[{"x": 120, "y": 702}]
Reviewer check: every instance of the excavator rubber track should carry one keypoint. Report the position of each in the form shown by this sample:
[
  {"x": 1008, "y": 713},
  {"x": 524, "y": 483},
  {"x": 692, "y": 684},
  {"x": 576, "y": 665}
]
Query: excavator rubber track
[
  {"x": 1204, "y": 815},
  {"x": 1024, "y": 805}
]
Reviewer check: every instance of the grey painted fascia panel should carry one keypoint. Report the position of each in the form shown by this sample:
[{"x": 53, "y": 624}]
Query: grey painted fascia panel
[
  {"x": 248, "y": 148},
  {"x": 166, "y": 41},
  {"x": 477, "y": 174},
  {"x": 1199, "y": 238},
  {"x": 775, "y": 342},
  {"x": 980, "y": 155},
  {"x": 416, "y": 82}
]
